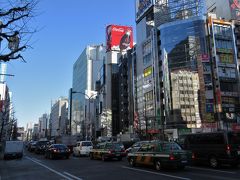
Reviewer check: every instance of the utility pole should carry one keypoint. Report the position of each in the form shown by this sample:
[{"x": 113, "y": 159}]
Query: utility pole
[{"x": 70, "y": 113}]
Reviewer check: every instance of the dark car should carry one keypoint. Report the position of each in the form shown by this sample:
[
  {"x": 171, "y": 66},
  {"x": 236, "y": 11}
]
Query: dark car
[
  {"x": 57, "y": 151},
  {"x": 108, "y": 150},
  {"x": 32, "y": 146},
  {"x": 160, "y": 154},
  {"x": 41, "y": 147},
  {"x": 215, "y": 148}
]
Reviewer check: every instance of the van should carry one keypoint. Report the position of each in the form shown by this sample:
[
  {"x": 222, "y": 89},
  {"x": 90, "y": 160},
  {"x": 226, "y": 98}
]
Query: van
[
  {"x": 216, "y": 148},
  {"x": 82, "y": 148},
  {"x": 13, "y": 149}
]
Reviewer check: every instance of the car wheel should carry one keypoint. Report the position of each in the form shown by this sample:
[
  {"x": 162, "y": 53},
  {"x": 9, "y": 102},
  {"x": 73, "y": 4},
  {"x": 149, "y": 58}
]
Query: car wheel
[
  {"x": 158, "y": 165},
  {"x": 67, "y": 156},
  {"x": 103, "y": 158},
  {"x": 213, "y": 162},
  {"x": 91, "y": 156},
  {"x": 119, "y": 158},
  {"x": 132, "y": 162}
]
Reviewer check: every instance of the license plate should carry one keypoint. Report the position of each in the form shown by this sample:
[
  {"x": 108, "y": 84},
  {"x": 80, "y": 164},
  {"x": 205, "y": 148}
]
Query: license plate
[
  {"x": 117, "y": 154},
  {"x": 238, "y": 152},
  {"x": 184, "y": 161}
]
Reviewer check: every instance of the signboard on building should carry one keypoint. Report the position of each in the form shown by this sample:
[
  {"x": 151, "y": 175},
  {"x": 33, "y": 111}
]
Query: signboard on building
[
  {"x": 205, "y": 58},
  {"x": 141, "y": 7},
  {"x": 235, "y": 9},
  {"x": 119, "y": 38}
]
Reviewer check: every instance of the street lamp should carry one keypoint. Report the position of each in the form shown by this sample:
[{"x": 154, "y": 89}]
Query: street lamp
[{"x": 70, "y": 107}]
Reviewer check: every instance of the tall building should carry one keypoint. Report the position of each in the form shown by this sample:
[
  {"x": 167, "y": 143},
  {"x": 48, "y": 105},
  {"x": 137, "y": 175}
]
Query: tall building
[
  {"x": 127, "y": 63},
  {"x": 226, "y": 71},
  {"x": 223, "y": 9},
  {"x": 6, "y": 121},
  {"x": 85, "y": 71},
  {"x": 55, "y": 116},
  {"x": 119, "y": 39},
  {"x": 43, "y": 125},
  {"x": 170, "y": 41}
]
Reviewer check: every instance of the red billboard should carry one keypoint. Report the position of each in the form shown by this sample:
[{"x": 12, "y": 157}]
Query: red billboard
[{"x": 119, "y": 38}]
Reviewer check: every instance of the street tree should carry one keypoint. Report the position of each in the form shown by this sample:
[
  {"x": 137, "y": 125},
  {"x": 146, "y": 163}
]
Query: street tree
[{"x": 16, "y": 28}]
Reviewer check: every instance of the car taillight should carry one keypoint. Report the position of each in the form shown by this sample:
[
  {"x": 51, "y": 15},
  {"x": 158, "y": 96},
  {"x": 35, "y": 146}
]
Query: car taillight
[
  {"x": 111, "y": 151},
  {"x": 193, "y": 156},
  {"x": 171, "y": 157},
  {"x": 54, "y": 150},
  {"x": 228, "y": 149}
]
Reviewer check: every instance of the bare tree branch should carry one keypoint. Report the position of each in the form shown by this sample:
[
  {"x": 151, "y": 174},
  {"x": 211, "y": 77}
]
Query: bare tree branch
[{"x": 15, "y": 31}]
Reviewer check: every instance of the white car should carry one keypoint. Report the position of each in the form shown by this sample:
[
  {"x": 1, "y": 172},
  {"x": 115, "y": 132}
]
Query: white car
[{"x": 82, "y": 148}]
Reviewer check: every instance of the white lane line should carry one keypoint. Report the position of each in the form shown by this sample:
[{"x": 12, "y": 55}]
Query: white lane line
[
  {"x": 36, "y": 159},
  {"x": 213, "y": 170},
  {"x": 75, "y": 177},
  {"x": 58, "y": 173},
  {"x": 161, "y": 174}
]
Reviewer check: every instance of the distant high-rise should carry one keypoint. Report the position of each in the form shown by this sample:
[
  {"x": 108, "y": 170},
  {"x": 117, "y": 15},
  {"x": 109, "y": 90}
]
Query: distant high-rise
[
  {"x": 3, "y": 70},
  {"x": 85, "y": 71}
]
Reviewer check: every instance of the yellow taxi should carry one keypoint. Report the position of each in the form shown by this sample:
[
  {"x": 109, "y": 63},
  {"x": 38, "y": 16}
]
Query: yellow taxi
[
  {"x": 160, "y": 154},
  {"x": 108, "y": 150}
]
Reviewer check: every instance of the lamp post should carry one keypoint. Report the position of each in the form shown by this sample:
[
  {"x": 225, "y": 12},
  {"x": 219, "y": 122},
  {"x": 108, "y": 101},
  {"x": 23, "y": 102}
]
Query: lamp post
[{"x": 88, "y": 97}]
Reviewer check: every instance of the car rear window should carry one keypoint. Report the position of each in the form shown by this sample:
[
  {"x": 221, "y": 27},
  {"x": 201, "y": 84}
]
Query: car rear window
[
  {"x": 114, "y": 146},
  {"x": 234, "y": 138},
  {"x": 86, "y": 144},
  {"x": 170, "y": 146},
  {"x": 60, "y": 146}
]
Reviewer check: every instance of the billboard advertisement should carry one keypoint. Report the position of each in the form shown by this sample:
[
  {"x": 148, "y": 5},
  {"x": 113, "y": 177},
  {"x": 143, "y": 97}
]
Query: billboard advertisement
[
  {"x": 142, "y": 6},
  {"x": 119, "y": 38},
  {"x": 235, "y": 9}
]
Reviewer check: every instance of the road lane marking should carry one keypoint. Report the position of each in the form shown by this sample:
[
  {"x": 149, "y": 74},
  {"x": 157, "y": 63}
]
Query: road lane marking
[
  {"x": 36, "y": 159},
  {"x": 161, "y": 174},
  {"x": 213, "y": 170},
  {"x": 72, "y": 176},
  {"x": 58, "y": 173}
]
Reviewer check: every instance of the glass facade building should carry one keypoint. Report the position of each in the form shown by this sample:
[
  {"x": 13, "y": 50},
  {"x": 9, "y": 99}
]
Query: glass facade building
[{"x": 183, "y": 78}]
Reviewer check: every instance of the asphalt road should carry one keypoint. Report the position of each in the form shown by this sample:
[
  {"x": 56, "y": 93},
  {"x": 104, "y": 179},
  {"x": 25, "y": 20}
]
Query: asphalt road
[{"x": 34, "y": 167}]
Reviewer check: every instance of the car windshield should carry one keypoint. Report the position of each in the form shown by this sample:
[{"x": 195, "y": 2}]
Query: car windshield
[
  {"x": 234, "y": 138},
  {"x": 170, "y": 146},
  {"x": 60, "y": 146},
  {"x": 42, "y": 142},
  {"x": 115, "y": 146},
  {"x": 86, "y": 143}
]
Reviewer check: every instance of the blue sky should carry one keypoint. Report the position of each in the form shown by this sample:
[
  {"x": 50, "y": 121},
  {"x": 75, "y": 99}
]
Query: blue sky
[{"x": 67, "y": 26}]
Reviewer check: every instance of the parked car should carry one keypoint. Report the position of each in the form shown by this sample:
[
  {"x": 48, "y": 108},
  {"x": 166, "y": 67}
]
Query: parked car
[
  {"x": 82, "y": 148},
  {"x": 57, "y": 151},
  {"x": 108, "y": 150},
  {"x": 216, "y": 148},
  {"x": 160, "y": 154},
  {"x": 41, "y": 147}
]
